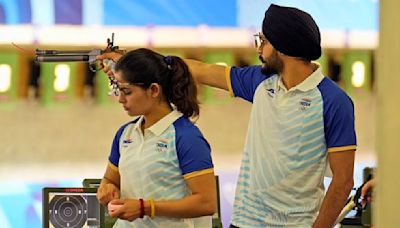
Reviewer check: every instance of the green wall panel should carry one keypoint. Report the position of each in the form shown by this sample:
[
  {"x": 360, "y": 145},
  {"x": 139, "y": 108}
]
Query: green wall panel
[
  {"x": 348, "y": 70},
  {"x": 8, "y": 97},
  {"x": 48, "y": 95}
]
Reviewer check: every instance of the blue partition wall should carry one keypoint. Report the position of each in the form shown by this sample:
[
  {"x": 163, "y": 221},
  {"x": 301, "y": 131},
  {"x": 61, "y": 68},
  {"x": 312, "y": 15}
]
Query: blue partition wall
[{"x": 338, "y": 14}]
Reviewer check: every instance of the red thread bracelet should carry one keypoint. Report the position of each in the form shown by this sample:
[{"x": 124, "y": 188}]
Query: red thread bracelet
[{"x": 141, "y": 208}]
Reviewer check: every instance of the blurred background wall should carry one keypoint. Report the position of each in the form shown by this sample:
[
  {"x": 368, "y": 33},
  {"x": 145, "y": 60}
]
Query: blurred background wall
[{"x": 57, "y": 121}]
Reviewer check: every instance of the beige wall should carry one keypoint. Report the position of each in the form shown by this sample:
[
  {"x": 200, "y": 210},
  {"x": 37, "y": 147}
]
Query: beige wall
[
  {"x": 35, "y": 136},
  {"x": 84, "y": 132},
  {"x": 35, "y": 140},
  {"x": 388, "y": 113}
]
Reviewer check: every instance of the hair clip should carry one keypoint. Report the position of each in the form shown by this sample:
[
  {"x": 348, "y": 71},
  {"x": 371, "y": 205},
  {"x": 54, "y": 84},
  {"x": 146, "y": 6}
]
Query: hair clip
[{"x": 168, "y": 59}]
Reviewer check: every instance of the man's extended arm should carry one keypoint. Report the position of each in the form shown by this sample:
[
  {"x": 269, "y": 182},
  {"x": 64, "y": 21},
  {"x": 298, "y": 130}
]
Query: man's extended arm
[
  {"x": 208, "y": 74},
  {"x": 342, "y": 165}
]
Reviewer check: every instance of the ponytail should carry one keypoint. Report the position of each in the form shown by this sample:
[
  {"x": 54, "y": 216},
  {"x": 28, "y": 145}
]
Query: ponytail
[{"x": 182, "y": 88}]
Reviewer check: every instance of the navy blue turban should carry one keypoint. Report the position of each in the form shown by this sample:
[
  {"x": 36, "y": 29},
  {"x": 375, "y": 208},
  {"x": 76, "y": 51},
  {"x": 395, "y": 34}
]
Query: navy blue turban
[{"x": 292, "y": 32}]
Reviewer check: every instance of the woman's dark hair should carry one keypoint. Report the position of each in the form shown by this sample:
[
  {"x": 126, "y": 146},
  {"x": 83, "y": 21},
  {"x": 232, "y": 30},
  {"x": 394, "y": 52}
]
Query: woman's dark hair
[{"x": 143, "y": 67}]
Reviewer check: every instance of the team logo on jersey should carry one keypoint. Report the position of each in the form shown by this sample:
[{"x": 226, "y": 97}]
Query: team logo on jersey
[
  {"x": 162, "y": 146},
  {"x": 305, "y": 103},
  {"x": 126, "y": 142},
  {"x": 271, "y": 92}
]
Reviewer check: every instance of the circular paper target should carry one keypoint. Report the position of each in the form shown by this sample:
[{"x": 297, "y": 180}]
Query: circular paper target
[{"x": 68, "y": 211}]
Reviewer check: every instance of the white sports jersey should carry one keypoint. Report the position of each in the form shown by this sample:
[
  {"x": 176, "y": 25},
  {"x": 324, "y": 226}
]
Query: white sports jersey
[
  {"x": 285, "y": 155},
  {"x": 155, "y": 164}
]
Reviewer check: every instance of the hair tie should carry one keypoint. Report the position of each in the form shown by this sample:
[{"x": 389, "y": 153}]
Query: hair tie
[{"x": 168, "y": 59}]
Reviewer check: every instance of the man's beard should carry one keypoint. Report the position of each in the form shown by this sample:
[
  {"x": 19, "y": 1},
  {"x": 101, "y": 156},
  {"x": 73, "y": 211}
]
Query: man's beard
[{"x": 272, "y": 65}]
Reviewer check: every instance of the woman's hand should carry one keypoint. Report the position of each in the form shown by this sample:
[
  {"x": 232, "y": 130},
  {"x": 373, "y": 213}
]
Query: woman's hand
[
  {"x": 105, "y": 58},
  {"x": 107, "y": 192},
  {"x": 129, "y": 209}
]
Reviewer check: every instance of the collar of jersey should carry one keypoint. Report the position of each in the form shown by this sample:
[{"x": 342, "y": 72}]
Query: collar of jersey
[
  {"x": 309, "y": 83},
  {"x": 160, "y": 126}
]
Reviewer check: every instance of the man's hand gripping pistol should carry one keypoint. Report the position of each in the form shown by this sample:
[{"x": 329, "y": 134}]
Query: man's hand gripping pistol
[{"x": 83, "y": 56}]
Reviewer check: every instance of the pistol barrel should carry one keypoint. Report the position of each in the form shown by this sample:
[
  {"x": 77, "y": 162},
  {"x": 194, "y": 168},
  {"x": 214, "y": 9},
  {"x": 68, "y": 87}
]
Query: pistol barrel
[
  {"x": 63, "y": 52},
  {"x": 62, "y": 58}
]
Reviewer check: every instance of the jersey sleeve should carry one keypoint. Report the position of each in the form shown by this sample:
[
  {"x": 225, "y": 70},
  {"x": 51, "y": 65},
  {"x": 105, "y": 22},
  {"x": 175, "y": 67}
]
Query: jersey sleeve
[
  {"x": 193, "y": 150},
  {"x": 339, "y": 120},
  {"x": 114, "y": 156},
  {"x": 244, "y": 81}
]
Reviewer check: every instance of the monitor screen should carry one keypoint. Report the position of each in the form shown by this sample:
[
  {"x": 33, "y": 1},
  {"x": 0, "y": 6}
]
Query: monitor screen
[
  {"x": 91, "y": 183},
  {"x": 71, "y": 207}
]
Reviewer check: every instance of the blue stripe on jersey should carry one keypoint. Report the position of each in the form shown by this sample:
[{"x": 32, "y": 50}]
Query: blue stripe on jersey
[
  {"x": 114, "y": 155},
  {"x": 338, "y": 115},
  {"x": 194, "y": 152},
  {"x": 245, "y": 81}
]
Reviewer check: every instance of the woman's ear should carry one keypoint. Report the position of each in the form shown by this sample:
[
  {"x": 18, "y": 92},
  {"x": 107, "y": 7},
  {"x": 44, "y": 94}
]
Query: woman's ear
[{"x": 155, "y": 90}]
